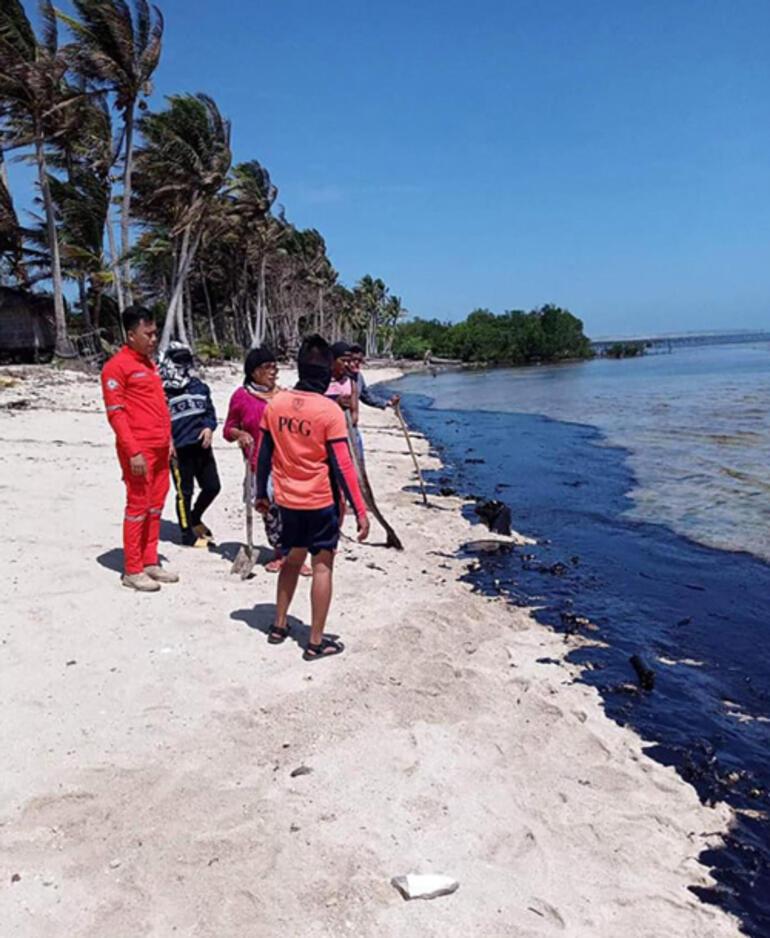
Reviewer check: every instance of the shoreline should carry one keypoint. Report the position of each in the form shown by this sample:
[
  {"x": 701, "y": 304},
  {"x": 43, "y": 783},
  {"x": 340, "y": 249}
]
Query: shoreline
[
  {"x": 591, "y": 572},
  {"x": 150, "y": 740}
]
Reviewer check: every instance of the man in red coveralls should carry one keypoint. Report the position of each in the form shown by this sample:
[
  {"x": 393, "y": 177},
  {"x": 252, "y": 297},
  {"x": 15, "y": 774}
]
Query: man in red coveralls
[{"x": 138, "y": 413}]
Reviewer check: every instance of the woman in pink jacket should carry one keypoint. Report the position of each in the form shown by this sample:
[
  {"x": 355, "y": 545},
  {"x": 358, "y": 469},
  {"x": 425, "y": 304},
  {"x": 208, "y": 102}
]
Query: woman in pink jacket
[{"x": 247, "y": 405}]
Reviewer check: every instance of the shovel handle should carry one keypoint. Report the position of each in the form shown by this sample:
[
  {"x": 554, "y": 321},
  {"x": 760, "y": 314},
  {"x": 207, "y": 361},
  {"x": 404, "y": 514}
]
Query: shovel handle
[{"x": 249, "y": 508}]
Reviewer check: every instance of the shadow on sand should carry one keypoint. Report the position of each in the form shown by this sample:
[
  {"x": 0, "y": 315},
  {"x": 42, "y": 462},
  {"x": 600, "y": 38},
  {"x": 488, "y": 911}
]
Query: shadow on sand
[{"x": 260, "y": 618}]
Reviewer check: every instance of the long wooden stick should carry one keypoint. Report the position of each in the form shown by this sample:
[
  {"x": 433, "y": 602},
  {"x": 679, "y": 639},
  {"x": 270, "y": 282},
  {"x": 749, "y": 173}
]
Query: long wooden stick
[
  {"x": 397, "y": 408},
  {"x": 392, "y": 539}
]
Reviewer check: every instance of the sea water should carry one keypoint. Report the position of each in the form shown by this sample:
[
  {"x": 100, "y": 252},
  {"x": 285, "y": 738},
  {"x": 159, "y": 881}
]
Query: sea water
[
  {"x": 647, "y": 484},
  {"x": 695, "y": 424}
]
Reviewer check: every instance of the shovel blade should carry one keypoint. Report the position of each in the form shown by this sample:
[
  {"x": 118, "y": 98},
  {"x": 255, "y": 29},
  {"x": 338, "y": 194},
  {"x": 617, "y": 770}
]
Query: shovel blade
[{"x": 244, "y": 561}]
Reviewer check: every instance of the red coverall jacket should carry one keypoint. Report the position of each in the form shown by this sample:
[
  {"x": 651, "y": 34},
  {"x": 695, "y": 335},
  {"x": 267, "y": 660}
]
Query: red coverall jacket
[
  {"x": 136, "y": 403},
  {"x": 138, "y": 413}
]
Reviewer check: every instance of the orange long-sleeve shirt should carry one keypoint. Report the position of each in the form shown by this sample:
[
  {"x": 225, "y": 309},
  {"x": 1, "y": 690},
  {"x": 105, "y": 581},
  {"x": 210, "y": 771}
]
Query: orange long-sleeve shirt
[
  {"x": 304, "y": 444},
  {"x": 136, "y": 403}
]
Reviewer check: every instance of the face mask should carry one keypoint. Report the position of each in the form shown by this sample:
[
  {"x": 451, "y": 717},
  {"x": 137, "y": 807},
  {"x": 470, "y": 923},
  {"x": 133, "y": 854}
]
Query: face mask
[{"x": 315, "y": 378}]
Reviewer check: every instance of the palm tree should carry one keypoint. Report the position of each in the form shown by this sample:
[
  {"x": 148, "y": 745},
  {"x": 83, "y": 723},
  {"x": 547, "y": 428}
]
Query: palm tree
[
  {"x": 340, "y": 304},
  {"x": 253, "y": 195},
  {"x": 119, "y": 51},
  {"x": 318, "y": 272},
  {"x": 11, "y": 240},
  {"x": 370, "y": 296},
  {"x": 82, "y": 150},
  {"x": 33, "y": 90},
  {"x": 392, "y": 312},
  {"x": 180, "y": 170}
]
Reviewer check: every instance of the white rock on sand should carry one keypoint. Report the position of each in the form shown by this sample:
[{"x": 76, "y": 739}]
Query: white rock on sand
[{"x": 161, "y": 731}]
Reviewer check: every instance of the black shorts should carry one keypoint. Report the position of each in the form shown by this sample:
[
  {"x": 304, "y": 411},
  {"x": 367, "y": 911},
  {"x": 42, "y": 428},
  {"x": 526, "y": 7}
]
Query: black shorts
[{"x": 315, "y": 530}]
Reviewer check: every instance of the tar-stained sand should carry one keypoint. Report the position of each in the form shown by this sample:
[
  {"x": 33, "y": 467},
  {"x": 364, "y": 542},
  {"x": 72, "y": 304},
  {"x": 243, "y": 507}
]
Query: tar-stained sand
[{"x": 148, "y": 740}]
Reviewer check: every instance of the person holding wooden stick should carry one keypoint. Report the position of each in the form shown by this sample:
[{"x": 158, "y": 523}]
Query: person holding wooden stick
[
  {"x": 247, "y": 407},
  {"x": 357, "y": 360},
  {"x": 303, "y": 444},
  {"x": 362, "y": 392}
]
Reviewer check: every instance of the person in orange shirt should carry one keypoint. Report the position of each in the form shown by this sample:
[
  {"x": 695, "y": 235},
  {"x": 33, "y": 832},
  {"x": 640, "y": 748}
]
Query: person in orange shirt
[
  {"x": 303, "y": 443},
  {"x": 138, "y": 413}
]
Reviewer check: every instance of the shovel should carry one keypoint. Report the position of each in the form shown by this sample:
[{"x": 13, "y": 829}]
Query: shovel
[{"x": 246, "y": 560}]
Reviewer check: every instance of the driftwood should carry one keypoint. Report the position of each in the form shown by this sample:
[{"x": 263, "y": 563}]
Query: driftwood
[{"x": 392, "y": 539}]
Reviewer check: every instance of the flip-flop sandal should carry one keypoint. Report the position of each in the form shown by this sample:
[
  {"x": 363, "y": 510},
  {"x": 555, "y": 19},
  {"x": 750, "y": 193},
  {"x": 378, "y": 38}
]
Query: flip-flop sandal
[
  {"x": 274, "y": 566},
  {"x": 327, "y": 648},
  {"x": 278, "y": 636},
  {"x": 306, "y": 571}
]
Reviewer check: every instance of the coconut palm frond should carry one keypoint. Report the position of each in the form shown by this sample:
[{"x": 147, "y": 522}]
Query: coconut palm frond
[
  {"x": 117, "y": 48},
  {"x": 50, "y": 31},
  {"x": 185, "y": 158},
  {"x": 16, "y": 33}
]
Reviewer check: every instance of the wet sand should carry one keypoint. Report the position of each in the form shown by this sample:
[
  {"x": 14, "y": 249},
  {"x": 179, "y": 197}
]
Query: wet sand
[{"x": 149, "y": 740}]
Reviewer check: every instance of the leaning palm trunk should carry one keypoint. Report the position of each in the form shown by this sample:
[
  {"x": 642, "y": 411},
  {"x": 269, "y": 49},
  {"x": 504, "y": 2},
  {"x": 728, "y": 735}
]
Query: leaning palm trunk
[
  {"x": 174, "y": 324},
  {"x": 83, "y": 295},
  {"x": 115, "y": 264},
  {"x": 190, "y": 328},
  {"x": 63, "y": 344},
  {"x": 125, "y": 216},
  {"x": 260, "y": 312},
  {"x": 371, "y": 337},
  {"x": 4, "y": 172},
  {"x": 209, "y": 308}
]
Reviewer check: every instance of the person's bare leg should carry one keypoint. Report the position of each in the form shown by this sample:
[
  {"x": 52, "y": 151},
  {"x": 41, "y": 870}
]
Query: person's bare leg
[
  {"x": 287, "y": 585},
  {"x": 321, "y": 593}
]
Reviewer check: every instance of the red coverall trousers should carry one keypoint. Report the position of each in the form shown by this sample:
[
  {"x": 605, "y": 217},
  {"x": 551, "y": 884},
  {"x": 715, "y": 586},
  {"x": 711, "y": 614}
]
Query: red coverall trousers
[{"x": 145, "y": 498}]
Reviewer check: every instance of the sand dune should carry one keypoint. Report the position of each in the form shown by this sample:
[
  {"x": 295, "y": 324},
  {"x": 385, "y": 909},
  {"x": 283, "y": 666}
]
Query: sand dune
[{"x": 149, "y": 741}]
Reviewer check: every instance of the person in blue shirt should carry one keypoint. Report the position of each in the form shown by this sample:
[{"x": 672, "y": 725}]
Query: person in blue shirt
[
  {"x": 364, "y": 394},
  {"x": 193, "y": 421},
  {"x": 357, "y": 359}
]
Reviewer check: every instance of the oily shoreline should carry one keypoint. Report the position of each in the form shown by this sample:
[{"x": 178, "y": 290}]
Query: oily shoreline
[
  {"x": 572, "y": 589},
  {"x": 151, "y": 740}
]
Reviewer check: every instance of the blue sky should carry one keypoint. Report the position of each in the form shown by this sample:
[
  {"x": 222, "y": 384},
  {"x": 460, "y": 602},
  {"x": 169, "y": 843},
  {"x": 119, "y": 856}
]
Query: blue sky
[{"x": 612, "y": 157}]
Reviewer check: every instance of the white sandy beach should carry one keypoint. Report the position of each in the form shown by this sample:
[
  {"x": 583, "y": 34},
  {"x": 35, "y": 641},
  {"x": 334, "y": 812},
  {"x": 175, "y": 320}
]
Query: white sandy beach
[{"x": 149, "y": 740}]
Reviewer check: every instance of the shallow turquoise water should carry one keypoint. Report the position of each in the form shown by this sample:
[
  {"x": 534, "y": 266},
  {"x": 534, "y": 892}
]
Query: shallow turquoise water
[{"x": 696, "y": 425}]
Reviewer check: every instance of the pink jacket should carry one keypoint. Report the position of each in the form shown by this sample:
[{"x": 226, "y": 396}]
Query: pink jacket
[{"x": 245, "y": 413}]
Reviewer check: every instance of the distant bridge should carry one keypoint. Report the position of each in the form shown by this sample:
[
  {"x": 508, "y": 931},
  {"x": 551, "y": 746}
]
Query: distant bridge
[{"x": 669, "y": 341}]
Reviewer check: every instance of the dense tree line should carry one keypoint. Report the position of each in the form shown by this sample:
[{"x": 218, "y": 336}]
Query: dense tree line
[
  {"x": 143, "y": 206},
  {"x": 513, "y": 338}
]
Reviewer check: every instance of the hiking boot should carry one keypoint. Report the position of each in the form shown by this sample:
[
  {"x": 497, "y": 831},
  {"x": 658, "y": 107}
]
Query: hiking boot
[
  {"x": 192, "y": 540},
  {"x": 203, "y": 533},
  {"x": 140, "y": 582},
  {"x": 159, "y": 575}
]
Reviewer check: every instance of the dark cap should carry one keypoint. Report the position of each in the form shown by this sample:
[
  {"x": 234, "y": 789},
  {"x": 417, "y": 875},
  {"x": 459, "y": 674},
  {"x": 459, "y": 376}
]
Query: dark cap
[{"x": 256, "y": 358}]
